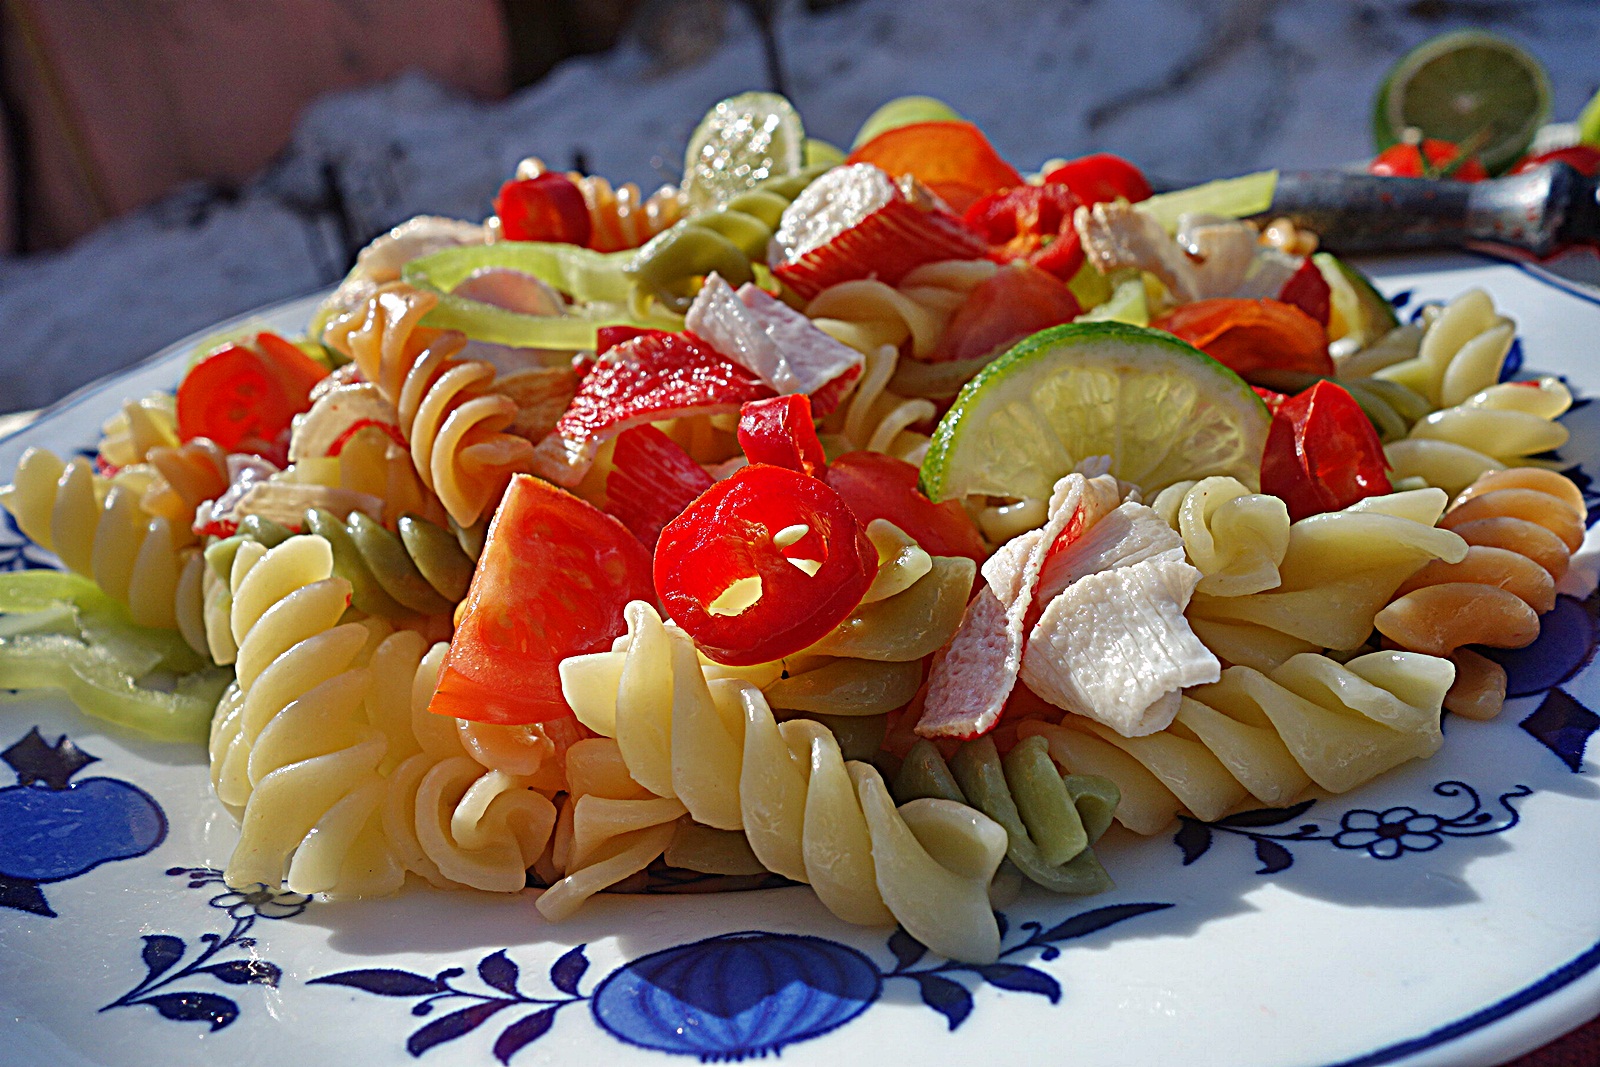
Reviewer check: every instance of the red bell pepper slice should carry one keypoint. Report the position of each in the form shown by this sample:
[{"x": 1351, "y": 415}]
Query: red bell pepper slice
[
  {"x": 1100, "y": 178},
  {"x": 1032, "y": 223},
  {"x": 553, "y": 579},
  {"x": 1322, "y": 453},
  {"x": 1435, "y": 159},
  {"x": 954, "y": 159},
  {"x": 652, "y": 479},
  {"x": 877, "y": 486},
  {"x": 779, "y": 431},
  {"x": 1309, "y": 291},
  {"x": 1251, "y": 335},
  {"x": 244, "y": 395},
  {"x": 547, "y": 208},
  {"x": 727, "y": 542}
]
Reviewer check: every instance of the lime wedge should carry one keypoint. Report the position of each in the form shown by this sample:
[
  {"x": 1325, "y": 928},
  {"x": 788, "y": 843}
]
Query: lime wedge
[
  {"x": 742, "y": 141},
  {"x": 1162, "y": 410},
  {"x": 1359, "y": 311},
  {"x": 1466, "y": 87},
  {"x": 903, "y": 111},
  {"x": 1589, "y": 122}
]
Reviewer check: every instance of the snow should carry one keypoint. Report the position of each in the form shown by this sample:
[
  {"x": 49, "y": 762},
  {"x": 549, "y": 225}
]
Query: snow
[{"x": 1189, "y": 89}]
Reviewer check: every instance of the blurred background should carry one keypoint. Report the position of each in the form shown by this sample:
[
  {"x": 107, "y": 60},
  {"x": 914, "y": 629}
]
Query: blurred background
[{"x": 165, "y": 164}]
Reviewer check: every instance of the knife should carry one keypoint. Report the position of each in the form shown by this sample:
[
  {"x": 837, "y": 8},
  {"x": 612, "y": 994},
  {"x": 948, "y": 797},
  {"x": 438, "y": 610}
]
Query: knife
[{"x": 1540, "y": 212}]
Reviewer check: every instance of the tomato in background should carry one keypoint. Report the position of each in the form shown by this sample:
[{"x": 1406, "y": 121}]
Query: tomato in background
[
  {"x": 1406, "y": 161},
  {"x": 547, "y": 208},
  {"x": 552, "y": 581},
  {"x": 1031, "y": 223},
  {"x": 243, "y": 396},
  {"x": 1100, "y": 178},
  {"x": 1250, "y": 335},
  {"x": 1583, "y": 158},
  {"x": 1020, "y": 300}
]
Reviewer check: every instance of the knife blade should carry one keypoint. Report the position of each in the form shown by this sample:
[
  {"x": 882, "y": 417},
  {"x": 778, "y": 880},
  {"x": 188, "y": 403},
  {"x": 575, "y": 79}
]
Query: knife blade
[{"x": 1540, "y": 212}]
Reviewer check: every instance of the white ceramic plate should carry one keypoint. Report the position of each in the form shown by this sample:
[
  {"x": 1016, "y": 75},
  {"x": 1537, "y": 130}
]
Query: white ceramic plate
[{"x": 1463, "y": 934}]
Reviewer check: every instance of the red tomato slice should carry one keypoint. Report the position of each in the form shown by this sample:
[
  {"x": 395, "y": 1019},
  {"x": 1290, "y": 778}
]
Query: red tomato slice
[
  {"x": 877, "y": 486},
  {"x": 726, "y": 542},
  {"x": 1252, "y": 335},
  {"x": 547, "y": 208},
  {"x": 954, "y": 159},
  {"x": 1322, "y": 453},
  {"x": 1031, "y": 222},
  {"x": 1101, "y": 177},
  {"x": 1020, "y": 300},
  {"x": 779, "y": 431},
  {"x": 243, "y": 398},
  {"x": 553, "y": 579}
]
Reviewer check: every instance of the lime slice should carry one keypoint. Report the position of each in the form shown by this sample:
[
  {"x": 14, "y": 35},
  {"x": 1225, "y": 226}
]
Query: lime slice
[
  {"x": 1359, "y": 311},
  {"x": 1466, "y": 87},
  {"x": 741, "y": 142},
  {"x": 903, "y": 111},
  {"x": 1162, "y": 410},
  {"x": 1589, "y": 122}
]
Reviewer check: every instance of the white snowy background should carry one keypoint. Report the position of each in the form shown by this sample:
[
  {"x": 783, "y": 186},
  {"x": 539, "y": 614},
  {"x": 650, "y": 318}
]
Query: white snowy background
[{"x": 1189, "y": 89}]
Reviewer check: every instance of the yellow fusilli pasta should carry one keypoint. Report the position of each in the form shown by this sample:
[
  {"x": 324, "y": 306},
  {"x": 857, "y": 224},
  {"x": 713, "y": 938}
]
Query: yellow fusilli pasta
[
  {"x": 447, "y": 408},
  {"x": 138, "y": 426}
]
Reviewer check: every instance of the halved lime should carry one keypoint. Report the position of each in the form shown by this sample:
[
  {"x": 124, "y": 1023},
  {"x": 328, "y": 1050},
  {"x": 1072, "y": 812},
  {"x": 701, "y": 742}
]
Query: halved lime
[
  {"x": 903, "y": 111},
  {"x": 742, "y": 141},
  {"x": 1466, "y": 87},
  {"x": 1161, "y": 409},
  {"x": 1359, "y": 311}
]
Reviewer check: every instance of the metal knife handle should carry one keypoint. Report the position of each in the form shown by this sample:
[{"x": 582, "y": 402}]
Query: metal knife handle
[{"x": 1538, "y": 212}]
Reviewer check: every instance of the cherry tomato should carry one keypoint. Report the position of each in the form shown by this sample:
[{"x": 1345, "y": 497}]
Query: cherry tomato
[
  {"x": 1101, "y": 177},
  {"x": 652, "y": 479},
  {"x": 1032, "y": 223},
  {"x": 1309, "y": 291},
  {"x": 877, "y": 486},
  {"x": 1405, "y": 161},
  {"x": 1018, "y": 301},
  {"x": 552, "y": 581},
  {"x": 1251, "y": 335},
  {"x": 779, "y": 431},
  {"x": 745, "y": 593},
  {"x": 954, "y": 159},
  {"x": 244, "y": 396},
  {"x": 1583, "y": 158},
  {"x": 547, "y": 208},
  {"x": 1322, "y": 453}
]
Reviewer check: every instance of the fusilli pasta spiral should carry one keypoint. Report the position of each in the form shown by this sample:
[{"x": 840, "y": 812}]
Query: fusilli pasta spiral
[
  {"x": 1496, "y": 427},
  {"x": 1052, "y": 822},
  {"x": 1267, "y": 735},
  {"x": 98, "y": 528},
  {"x": 867, "y": 313},
  {"x": 725, "y": 240},
  {"x": 138, "y": 426},
  {"x": 808, "y": 814},
  {"x": 1234, "y": 537},
  {"x": 447, "y": 407},
  {"x": 1521, "y": 527}
]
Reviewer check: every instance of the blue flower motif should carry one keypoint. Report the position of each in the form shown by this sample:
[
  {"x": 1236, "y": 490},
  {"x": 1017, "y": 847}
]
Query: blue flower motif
[
  {"x": 258, "y": 901},
  {"x": 1389, "y": 833}
]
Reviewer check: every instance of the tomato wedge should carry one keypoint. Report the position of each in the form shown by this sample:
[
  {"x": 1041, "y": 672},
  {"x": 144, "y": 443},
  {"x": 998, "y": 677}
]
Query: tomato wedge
[
  {"x": 547, "y": 208},
  {"x": 1322, "y": 453},
  {"x": 1434, "y": 159},
  {"x": 779, "y": 431},
  {"x": 244, "y": 395},
  {"x": 1032, "y": 223},
  {"x": 553, "y": 579},
  {"x": 877, "y": 486},
  {"x": 1020, "y": 300},
  {"x": 954, "y": 159},
  {"x": 1101, "y": 177},
  {"x": 762, "y": 565},
  {"x": 1309, "y": 291},
  {"x": 652, "y": 479},
  {"x": 1251, "y": 335}
]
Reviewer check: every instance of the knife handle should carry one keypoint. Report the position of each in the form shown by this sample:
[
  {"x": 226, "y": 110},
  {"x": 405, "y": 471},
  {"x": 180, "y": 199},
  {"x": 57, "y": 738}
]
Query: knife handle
[{"x": 1538, "y": 212}]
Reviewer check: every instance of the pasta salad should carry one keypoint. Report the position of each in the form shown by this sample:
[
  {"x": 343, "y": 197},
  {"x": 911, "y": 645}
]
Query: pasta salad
[{"x": 891, "y": 522}]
